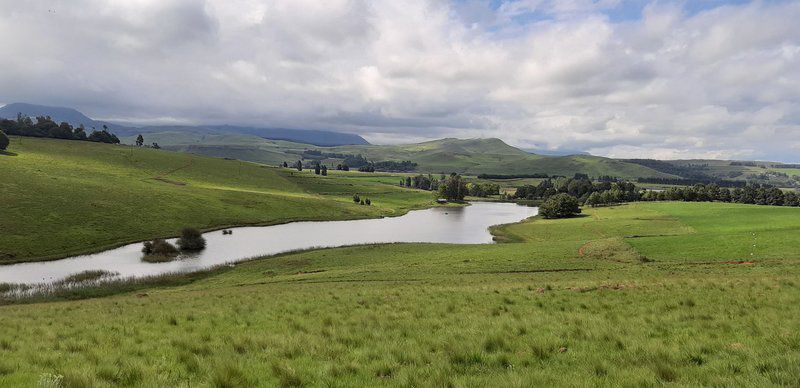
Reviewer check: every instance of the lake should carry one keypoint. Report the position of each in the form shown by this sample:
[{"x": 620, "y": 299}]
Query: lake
[{"x": 453, "y": 225}]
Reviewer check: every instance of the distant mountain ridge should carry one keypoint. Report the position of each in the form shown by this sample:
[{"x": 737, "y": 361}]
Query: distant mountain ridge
[
  {"x": 57, "y": 113},
  {"x": 76, "y": 118}
]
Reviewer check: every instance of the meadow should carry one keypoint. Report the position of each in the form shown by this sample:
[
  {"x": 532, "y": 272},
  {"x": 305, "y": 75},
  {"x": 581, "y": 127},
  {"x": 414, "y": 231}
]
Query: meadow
[
  {"x": 62, "y": 198},
  {"x": 644, "y": 294}
]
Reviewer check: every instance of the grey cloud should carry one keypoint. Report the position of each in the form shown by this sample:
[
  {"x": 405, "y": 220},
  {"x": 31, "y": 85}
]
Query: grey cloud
[{"x": 724, "y": 82}]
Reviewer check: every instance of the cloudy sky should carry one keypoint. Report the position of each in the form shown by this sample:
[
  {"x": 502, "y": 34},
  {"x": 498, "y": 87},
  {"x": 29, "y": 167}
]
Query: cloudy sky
[{"x": 695, "y": 78}]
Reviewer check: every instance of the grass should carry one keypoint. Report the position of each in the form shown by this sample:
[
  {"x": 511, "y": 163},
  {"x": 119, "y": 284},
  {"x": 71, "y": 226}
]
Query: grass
[
  {"x": 63, "y": 198},
  {"x": 570, "y": 303}
]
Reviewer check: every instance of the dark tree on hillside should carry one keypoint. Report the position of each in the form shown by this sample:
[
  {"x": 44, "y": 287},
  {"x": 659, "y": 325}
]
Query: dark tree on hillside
[
  {"x": 324, "y": 170},
  {"x": 285, "y": 164},
  {"x": 299, "y": 166},
  {"x": 317, "y": 169},
  {"x": 139, "y": 140},
  {"x": 356, "y": 198},
  {"x": 156, "y": 146},
  {"x": 4, "y": 141}
]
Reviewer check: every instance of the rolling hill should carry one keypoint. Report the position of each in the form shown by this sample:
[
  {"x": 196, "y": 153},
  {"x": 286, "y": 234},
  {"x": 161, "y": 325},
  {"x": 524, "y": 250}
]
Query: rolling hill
[
  {"x": 465, "y": 156},
  {"x": 64, "y": 197},
  {"x": 493, "y": 156}
]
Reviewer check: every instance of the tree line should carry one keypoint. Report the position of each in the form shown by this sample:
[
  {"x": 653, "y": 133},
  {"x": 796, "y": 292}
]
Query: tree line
[
  {"x": 751, "y": 194},
  {"x": 606, "y": 193},
  {"x": 579, "y": 187},
  {"x": 46, "y": 127}
]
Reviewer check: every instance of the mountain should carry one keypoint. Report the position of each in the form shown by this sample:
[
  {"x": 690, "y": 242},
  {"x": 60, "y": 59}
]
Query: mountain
[
  {"x": 308, "y": 136},
  {"x": 74, "y": 117},
  {"x": 58, "y": 114}
]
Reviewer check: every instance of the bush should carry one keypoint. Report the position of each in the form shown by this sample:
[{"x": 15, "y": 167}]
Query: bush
[
  {"x": 191, "y": 240},
  {"x": 159, "y": 247},
  {"x": 4, "y": 141},
  {"x": 560, "y": 206}
]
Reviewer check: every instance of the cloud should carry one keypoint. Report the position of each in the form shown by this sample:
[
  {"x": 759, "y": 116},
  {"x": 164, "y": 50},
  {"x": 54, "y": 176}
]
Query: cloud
[{"x": 723, "y": 81}]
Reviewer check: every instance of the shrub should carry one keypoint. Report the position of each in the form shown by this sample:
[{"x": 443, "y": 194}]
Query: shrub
[
  {"x": 191, "y": 240},
  {"x": 368, "y": 202},
  {"x": 356, "y": 198},
  {"x": 159, "y": 248},
  {"x": 560, "y": 206},
  {"x": 4, "y": 141}
]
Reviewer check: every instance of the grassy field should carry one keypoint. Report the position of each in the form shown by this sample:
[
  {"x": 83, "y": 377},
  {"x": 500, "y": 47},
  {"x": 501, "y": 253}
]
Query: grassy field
[
  {"x": 639, "y": 295},
  {"x": 66, "y": 197}
]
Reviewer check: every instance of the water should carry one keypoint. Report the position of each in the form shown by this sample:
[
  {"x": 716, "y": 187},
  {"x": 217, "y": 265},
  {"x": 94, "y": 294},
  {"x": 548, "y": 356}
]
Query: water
[{"x": 465, "y": 225}]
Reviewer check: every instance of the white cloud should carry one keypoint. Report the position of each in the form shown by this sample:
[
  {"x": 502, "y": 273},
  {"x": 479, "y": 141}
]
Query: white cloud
[{"x": 722, "y": 82}]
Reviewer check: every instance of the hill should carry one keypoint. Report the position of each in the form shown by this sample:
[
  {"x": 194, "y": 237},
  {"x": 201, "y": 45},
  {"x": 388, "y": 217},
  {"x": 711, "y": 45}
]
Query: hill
[
  {"x": 58, "y": 114},
  {"x": 465, "y": 156},
  {"x": 493, "y": 156},
  {"x": 65, "y": 197}
]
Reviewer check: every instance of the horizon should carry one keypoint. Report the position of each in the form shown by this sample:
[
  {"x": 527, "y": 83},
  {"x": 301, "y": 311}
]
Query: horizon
[{"x": 635, "y": 79}]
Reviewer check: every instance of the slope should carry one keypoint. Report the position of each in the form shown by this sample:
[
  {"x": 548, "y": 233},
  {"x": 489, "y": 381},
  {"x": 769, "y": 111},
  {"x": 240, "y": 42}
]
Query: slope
[{"x": 66, "y": 197}]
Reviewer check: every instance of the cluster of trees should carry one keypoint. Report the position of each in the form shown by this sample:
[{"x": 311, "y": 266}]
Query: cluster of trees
[
  {"x": 560, "y": 205},
  {"x": 579, "y": 187},
  {"x": 750, "y": 194},
  {"x": 46, "y": 127},
  {"x": 422, "y": 182},
  {"x": 361, "y": 201},
  {"x": 394, "y": 166},
  {"x": 691, "y": 182},
  {"x": 367, "y": 168},
  {"x": 513, "y": 176},
  {"x": 482, "y": 189},
  {"x": 321, "y": 169},
  {"x": 453, "y": 188},
  {"x": 140, "y": 142}
]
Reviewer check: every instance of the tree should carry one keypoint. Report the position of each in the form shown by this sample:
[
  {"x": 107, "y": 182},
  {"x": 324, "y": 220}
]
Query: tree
[
  {"x": 368, "y": 202},
  {"x": 356, "y": 198},
  {"x": 317, "y": 169},
  {"x": 285, "y": 164},
  {"x": 299, "y": 165},
  {"x": 560, "y": 206},
  {"x": 191, "y": 240},
  {"x": 324, "y": 170},
  {"x": 156, "y": 146},
  {"x": 454, "y": 188},
  {"x": 139, "y": 140},
  {"x": 4, "y": 141}
]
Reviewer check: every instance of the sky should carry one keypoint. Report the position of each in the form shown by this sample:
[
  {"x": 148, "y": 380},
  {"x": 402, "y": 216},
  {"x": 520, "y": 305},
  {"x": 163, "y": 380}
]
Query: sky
[{"x": 649, "y": 79}]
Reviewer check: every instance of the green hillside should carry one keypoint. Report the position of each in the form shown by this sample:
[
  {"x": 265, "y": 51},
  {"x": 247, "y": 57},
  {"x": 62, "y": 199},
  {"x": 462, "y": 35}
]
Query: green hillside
[
  {"x": 465, "y": 156},
  {"x": 646, "y": 294},
  {"x": 493, "y": 156},
  {"x": 65, "y": 197}
]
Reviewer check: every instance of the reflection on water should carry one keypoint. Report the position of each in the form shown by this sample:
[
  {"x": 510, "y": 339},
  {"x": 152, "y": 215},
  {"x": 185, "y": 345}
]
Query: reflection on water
[{"x": 466, "y": 225}]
